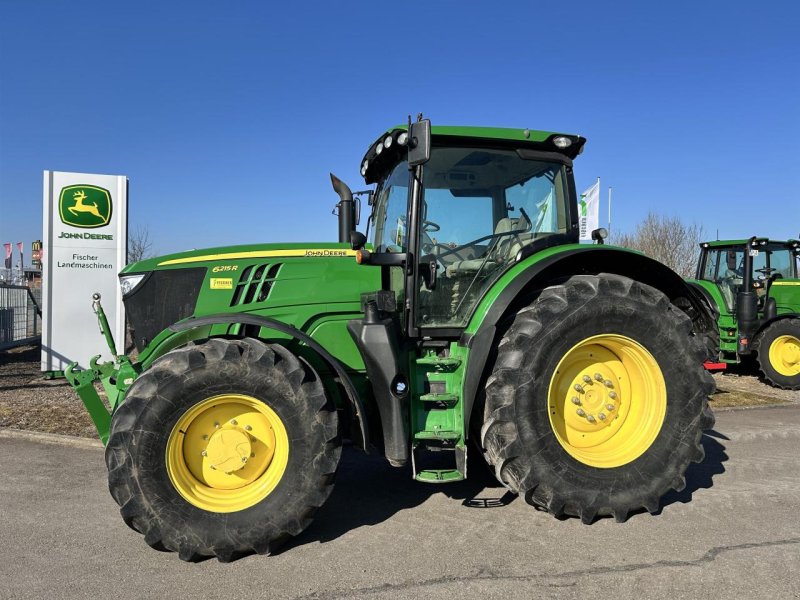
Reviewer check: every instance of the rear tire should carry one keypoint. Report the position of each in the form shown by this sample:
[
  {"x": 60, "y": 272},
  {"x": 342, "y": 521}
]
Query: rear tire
[
  {"x": 240, "y": 400},
  {"x": 778, "y": 354},
  {"x": 605, "y": 327}
]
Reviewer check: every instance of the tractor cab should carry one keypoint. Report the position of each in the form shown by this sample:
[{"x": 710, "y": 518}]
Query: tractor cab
[{"x": 476, "y": 204}]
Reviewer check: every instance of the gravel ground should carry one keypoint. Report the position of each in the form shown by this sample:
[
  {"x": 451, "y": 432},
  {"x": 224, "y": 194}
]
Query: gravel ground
[{"x": 27, "y": 401}]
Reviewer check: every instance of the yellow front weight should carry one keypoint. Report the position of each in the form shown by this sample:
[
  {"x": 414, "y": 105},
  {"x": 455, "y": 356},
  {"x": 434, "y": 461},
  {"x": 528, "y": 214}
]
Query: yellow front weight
[
  {"x": 227, "y": 453},
  {"x": 607, "y": 400}
]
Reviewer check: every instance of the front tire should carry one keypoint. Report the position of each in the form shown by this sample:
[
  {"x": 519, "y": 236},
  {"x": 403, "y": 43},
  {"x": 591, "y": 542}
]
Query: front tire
[
  {"x": 223, "y": 449},
  {"x": 778, "y": 354},
  {"x": 597, "y": 400}
]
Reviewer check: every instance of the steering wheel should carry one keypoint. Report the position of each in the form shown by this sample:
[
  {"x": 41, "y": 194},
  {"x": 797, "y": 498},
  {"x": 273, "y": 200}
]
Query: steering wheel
[{"x": 430, "y": 226}]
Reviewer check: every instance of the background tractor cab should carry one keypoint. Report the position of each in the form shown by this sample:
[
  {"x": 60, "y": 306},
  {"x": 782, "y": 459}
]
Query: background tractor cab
[{"x": 755, "y": 285}]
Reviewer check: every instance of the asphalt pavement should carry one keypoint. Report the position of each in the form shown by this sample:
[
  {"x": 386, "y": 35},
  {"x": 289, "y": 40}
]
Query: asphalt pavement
[{"x": 733, "y": 532}]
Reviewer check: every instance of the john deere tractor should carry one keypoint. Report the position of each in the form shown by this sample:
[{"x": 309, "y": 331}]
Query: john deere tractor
[
  {"x": 467, "y": 317},
  {"x": 755, "y": 286}
]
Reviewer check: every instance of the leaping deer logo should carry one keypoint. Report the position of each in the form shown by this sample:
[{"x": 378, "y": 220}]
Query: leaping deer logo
[{"x": 80, "y": 207}]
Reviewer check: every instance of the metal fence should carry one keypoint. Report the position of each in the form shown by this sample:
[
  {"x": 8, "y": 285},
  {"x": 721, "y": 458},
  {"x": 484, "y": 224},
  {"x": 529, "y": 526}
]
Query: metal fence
[{"x": 20, "y": 316}]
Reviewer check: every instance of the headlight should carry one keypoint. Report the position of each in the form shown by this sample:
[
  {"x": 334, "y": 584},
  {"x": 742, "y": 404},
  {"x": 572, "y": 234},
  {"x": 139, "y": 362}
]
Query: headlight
[
  {"x": 562, "y": 142},
  {"x": 128, "y": 282}
]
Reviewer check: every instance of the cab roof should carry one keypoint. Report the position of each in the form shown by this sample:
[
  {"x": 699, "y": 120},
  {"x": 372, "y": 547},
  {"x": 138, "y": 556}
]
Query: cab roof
[{"x": 500, "y": 136}]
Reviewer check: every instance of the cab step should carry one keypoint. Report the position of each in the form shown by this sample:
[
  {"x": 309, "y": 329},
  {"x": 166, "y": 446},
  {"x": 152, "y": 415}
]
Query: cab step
[
  {"x": 442, "y": 399},
  {"x": 440, "y": 363},
  {"x": 438, "y": 462},
  {"x": 439, "y": 476},
  {"x": 438, "y": 434}
]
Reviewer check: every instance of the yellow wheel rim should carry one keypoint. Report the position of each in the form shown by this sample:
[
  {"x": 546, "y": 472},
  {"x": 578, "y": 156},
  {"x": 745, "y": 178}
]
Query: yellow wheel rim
[
  {"x": 607, "y": 400},
  {"x": 227, "y": 453},
  {"x": 784, "y": 355}
]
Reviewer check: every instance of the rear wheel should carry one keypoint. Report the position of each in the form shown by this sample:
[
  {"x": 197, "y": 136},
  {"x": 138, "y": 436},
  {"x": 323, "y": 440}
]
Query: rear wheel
[
  {"x": 223, "y": 449},
  {"x": 778, "y": 353},
  {"x": 597, "y": 400}
]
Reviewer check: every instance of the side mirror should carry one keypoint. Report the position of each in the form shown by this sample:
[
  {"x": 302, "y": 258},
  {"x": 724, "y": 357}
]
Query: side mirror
[
  {"x": 419, "y": 143},
  {"x": 357, "y": 240},
  {"x": 600, "y": 235}
]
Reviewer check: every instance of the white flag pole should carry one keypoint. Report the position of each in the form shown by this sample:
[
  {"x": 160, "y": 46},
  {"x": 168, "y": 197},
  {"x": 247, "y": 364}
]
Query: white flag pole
[{"x": 609, "y": 210}]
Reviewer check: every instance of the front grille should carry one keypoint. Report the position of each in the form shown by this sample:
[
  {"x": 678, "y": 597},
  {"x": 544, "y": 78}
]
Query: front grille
[
  {"x": 255, "y": 284},
  {"x": 163, "y": 298}
]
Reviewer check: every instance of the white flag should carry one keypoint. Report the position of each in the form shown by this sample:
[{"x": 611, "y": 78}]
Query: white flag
[{"x": 589, "y": 211}]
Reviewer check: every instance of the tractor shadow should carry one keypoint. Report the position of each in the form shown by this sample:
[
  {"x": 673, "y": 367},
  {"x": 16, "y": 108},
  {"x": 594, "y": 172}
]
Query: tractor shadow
[
  {"x": 369, "y": 491},
  {"x": 700, "y": 476}
]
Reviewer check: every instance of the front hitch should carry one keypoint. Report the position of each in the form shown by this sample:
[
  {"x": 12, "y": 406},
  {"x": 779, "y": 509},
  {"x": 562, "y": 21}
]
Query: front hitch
[{"x": 115, "y": 376}]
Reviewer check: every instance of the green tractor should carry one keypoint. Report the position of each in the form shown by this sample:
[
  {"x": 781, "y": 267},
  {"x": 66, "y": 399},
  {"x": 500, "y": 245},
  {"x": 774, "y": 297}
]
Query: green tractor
[
  {"x": 755, "y": 286},
  {"x": 467, "y": 317}
]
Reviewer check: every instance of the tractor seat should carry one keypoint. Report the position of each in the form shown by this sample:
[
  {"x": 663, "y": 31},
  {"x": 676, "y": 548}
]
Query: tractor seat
[{"x": 502, "y": 250}]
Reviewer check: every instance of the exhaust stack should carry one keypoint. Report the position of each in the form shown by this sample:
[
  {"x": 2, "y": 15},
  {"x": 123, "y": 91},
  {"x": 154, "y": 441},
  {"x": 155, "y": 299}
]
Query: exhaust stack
[{"x": 346, "y": 208}]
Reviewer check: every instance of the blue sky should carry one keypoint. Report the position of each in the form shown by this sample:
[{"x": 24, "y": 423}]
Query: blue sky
[{"x": 228, "y": 116}]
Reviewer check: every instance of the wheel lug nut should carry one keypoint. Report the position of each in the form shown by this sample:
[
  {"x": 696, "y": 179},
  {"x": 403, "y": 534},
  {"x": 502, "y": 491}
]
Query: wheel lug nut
[
  {"x": 610, "y": 407},
  {"x": 587, "y": 379},
  {"x": 578, "y": 388},
  {"x": 612, "y": 395},
  {"x": 205, "y": 437},
  {"x": 204, "y": 453},
  {"x": 244, "y": 458},
  {"x": 601, "y": 416},
  {"x": 248, "y": 428},
  {"x": 590, "y": 418},
  {"x": 598, "y": 377},
  {"x": 252, "y": 455},
  {"x": 581, "y": 412},
  {"x": 233, "y": 421},
  {"x": 576, "y": 400},
  {"x": 216, "y": 425},
  {"x": 608, "y": 383}
]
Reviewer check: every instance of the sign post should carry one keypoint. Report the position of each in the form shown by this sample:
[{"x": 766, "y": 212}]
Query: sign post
[{"x": 86, "y": 235}]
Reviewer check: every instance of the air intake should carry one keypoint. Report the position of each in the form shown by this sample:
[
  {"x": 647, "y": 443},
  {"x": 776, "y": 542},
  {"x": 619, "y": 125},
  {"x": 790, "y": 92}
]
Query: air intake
[{"x": 255, "y": 284}]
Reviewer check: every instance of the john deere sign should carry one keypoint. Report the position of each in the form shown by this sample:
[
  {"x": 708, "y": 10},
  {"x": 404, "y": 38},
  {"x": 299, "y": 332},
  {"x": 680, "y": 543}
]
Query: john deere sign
[
  {"x": 85, "y": 206},
  {"x": 85, "y": 238}
]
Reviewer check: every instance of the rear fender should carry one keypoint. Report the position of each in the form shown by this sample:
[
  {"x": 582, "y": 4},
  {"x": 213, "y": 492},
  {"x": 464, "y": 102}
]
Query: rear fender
[{"x": 514, "y": 289}]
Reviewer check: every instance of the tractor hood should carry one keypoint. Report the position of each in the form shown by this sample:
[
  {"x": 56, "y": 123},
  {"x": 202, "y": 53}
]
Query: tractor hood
[{"x": 276, "y": 280}]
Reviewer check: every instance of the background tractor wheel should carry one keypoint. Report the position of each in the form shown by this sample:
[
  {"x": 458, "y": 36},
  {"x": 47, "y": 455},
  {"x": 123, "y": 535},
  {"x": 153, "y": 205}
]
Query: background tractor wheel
[
  {"x": 597, "y": 400},
  {"x": 778, "y": 354},
  {"x": 223, "y": 449}
]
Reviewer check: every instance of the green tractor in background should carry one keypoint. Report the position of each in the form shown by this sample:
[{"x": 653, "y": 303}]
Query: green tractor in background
[
  {"x": 467, "y": 316},
  {"x": 755, "y": 285}
]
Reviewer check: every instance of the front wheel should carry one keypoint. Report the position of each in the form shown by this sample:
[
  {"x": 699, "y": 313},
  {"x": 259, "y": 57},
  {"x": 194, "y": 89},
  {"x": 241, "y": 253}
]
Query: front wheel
[
  {"x": 223, "y": 449},
  {"x": 778, "y": 353},
  {"x": 597, "y": 400}
]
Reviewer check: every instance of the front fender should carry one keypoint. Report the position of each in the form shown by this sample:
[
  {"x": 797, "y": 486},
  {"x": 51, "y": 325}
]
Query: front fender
[{"x": 194, "y": 328}]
